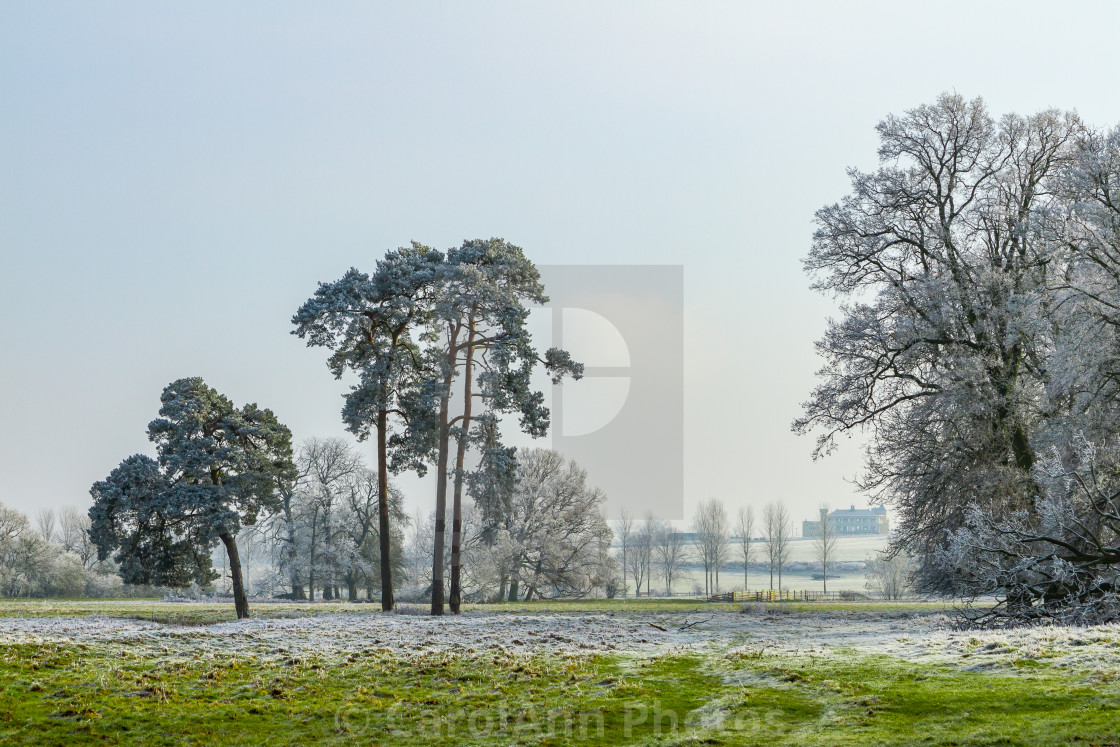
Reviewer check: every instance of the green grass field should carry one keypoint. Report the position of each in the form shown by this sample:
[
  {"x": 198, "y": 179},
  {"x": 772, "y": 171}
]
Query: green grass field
[{"x": 734, "y": 691}]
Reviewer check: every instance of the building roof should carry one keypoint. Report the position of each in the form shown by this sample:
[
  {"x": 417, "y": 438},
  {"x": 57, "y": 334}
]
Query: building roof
[{"x": 854, "y": 512}]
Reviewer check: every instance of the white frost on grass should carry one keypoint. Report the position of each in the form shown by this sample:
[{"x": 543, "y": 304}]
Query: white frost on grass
[
  {"x": 1095, "y": 648},
  {"x": 911, "y": 636},
  {"x": 339, "y": 634}
]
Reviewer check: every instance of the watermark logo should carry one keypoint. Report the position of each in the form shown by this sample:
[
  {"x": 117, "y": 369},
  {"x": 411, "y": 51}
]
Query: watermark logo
[
  {"x": 639, "y": 720},
  {"x": 624, "y": 420}
]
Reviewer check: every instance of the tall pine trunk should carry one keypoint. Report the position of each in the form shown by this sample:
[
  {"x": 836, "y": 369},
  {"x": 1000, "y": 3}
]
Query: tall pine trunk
[
  {"x": 240, "y": 601},
  {"x": 460, "y": 458},
  {"x": 441, "y": 477},
  {"x": 311, "y": 564},
  {"x": 383, "y": 511}
]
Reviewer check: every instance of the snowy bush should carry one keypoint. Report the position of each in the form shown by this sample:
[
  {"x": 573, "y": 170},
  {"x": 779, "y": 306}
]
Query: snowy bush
[{"x": 1056, "y": 561}]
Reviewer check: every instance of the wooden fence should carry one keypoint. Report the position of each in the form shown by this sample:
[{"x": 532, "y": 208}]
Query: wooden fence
[{"x": 787, "y": 595}]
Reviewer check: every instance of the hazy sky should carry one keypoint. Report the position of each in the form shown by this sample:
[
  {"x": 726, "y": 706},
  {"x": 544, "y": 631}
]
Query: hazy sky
[{"x": 174, "y": 182}]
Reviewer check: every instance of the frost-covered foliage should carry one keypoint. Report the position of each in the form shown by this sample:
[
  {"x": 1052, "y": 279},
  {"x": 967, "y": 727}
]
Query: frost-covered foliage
[
  {"x": 1058, "y": 562},
  {"x": 552, "y": 541},
  {"x": 889, "y": 574},
  {"x": 53, "y": 563},
  {"x": 979, "y": 273},
  {"x": 941, "y": 345},
  {"x": 326, "y": 536}
]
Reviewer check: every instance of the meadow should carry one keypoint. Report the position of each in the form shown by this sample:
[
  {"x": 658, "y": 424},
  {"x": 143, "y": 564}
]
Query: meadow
[{"x": 605, "y": 672}]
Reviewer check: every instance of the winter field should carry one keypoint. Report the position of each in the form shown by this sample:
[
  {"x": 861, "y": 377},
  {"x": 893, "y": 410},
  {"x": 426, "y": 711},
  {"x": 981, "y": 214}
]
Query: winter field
[{"x": 598, "y": 672}]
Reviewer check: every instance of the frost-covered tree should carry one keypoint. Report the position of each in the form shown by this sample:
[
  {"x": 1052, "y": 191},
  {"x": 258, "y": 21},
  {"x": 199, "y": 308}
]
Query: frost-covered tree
[
  {"x": 745, "y": 527},
  {"x": 1059, "y": 562},
  {"x": 554, "y": 542},
  {"x": 624, "y": 529},
  {"x": 479, "y": 318},
  {"x": 944, "y": 261},
  {"x": 889, "y": 574},
  {"x": 331, "y": 465},
  {"x": 217, "y": 471},
  {"x": 641, "y": 552},
  {"x": 73, "y": 527},
  {"x": 31, "y": 566},
  {"x": 777, "y": 533},
  {"x": 369, "y": 323},
  {"x": 1052, "y": 557},
  {"x": 824, "y": 545},
  {"x": 14, "y": 533},
  {"x": 45, "y": 522},
  {"x": 361, "y": 540},
  {"x": 712, "y": 531},
  {"x": 670, "y": 553}
]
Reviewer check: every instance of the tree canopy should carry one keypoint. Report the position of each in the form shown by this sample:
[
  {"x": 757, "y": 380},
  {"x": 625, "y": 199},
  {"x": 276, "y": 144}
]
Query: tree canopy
[{"x": 218, "y": 468}]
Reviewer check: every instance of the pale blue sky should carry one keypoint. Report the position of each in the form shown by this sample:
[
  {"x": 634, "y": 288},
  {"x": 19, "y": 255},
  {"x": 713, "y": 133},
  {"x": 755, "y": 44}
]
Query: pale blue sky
[{"x": 174, "y": 181}]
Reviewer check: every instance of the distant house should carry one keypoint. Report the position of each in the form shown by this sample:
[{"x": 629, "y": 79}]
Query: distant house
[{"x": 849, "y": 522}]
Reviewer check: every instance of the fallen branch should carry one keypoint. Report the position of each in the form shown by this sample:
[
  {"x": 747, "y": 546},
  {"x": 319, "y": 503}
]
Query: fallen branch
[{"x": 689, "y": 625}]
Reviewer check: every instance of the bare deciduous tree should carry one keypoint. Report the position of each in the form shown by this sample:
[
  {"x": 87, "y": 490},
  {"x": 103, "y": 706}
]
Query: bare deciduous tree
[
  {"x": 824, "y": 544},
  {"x": 712, "y": 537},
  {"x": 45, "y": 524},
  {"x": 670, "y": 552},
  {"x": 745, "y": 527},
  {"x": 946, "y": 259},
  {"x": 889, "y": 575},
  {"x": 776, "y": 524},
  {"x": 624, "y": 527},
  {"x": 642, "y": 547},
  {"x": 73, "y": 528}
]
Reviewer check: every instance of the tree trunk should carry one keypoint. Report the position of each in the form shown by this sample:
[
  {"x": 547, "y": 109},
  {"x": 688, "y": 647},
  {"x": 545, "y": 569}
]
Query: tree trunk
[
  {"x": 513, "y": 588},
  {"x": 533, "y": 584},
  {"x": 240, "y": 601},
  {"x": 441, "y": 480},
  {"x": 457, "y": 498},
  {"x": 624, "y": 571},
  {"x": 311, "y": 564},
  {"x": 385, "y": 539}
]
